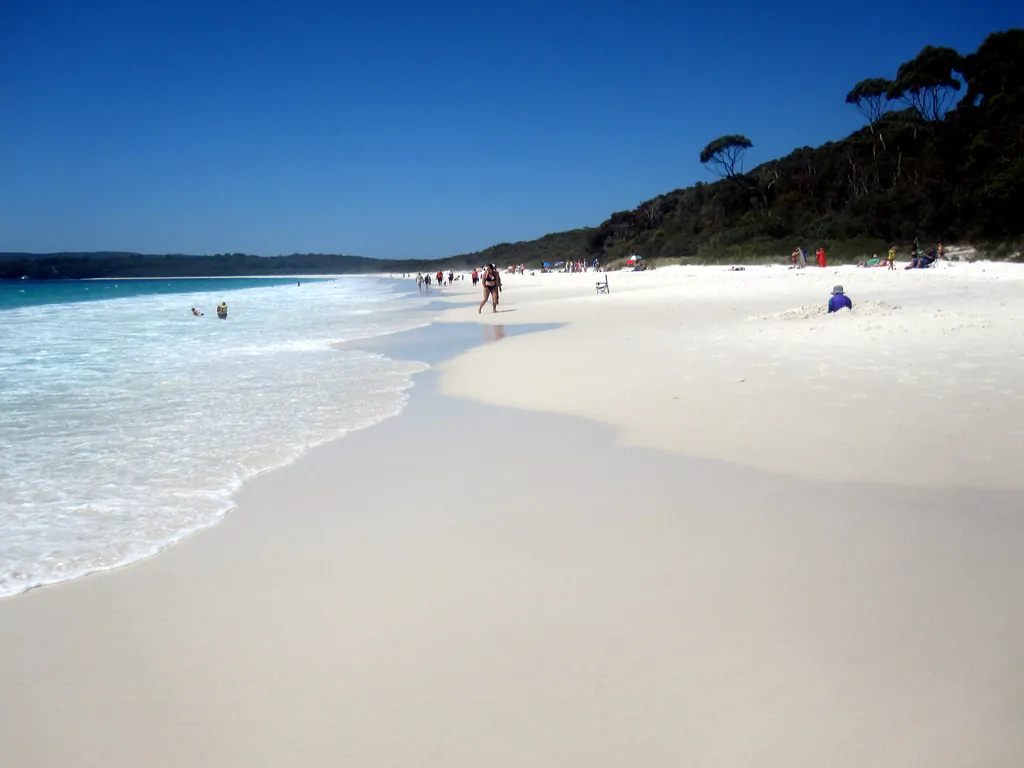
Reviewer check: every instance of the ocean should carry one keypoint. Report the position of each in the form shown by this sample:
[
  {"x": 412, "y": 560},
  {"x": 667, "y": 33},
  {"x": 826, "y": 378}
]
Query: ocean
[{"x": 127, "y": 424}]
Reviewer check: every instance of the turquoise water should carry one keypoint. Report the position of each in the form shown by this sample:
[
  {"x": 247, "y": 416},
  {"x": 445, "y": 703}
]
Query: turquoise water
[
  {"x": 126, "y": 423},
  {"x": 32, "y": 293}
]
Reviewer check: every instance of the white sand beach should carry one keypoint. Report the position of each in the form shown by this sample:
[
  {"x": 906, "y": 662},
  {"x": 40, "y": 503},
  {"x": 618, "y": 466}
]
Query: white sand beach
[
  {"x": 701, "y": 523},
  {"x": 918, "y": 385}
]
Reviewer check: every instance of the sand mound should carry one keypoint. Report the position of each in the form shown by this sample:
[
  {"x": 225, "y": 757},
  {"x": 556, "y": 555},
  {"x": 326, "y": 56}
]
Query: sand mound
[{"x": 815, "y": 311}]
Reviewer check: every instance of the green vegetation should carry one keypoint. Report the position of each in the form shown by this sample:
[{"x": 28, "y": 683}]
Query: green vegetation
[
  {"x": 725, "y": 156},
  {"x": 923, "y": 166}
]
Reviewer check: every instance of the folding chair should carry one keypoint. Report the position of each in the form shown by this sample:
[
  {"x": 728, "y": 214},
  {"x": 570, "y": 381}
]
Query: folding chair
[{"x": 603, "y": 287}]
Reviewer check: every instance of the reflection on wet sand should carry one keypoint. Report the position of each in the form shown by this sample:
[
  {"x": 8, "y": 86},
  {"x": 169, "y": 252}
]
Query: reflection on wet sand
[{"x": 494, "y": 333}]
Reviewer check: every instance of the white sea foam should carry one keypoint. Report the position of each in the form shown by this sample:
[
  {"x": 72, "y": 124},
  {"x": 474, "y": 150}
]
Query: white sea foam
[{"x": 127, "y": 424}]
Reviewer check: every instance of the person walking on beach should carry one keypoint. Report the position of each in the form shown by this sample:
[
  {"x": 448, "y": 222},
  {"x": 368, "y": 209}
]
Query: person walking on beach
[
  {"x": 492, "y": 285},
  {"x": 476, "y": 278},
  {"x": 839, "y": 300},
  {"x": 892, "y": 258},
  {"x": 822, "y": 262},
  {"x": 419, "y": 282}
]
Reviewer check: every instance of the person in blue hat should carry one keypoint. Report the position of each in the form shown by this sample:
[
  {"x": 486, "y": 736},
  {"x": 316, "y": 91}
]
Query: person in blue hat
[{"x": 839, "y": 300}]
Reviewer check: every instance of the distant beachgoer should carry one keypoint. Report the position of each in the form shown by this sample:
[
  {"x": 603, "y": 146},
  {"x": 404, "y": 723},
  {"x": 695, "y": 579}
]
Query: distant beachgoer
[
  {"x": 419, "y": 282},
  {"x": 476, "y": 278},
  {"x": 892, "y": 258},
  {"x": 921, "y": 262},
  {"x": 440, "y": 277},
  {"x": 839, "y": 300},
  {"x": 492, "y": 286},
  {"x": 822, "y": 262},
  {"x": 940, "y": 251},
  {"x": 196, "y": 312},
  {"x": 803, "y": 255},
  {"x": 794, "y": 257},
  {"x": 451, "y": 277}
]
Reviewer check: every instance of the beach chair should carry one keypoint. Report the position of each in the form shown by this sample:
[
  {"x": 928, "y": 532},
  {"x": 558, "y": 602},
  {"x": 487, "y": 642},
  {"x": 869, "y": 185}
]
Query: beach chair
[{"x": 603, "y": 287}]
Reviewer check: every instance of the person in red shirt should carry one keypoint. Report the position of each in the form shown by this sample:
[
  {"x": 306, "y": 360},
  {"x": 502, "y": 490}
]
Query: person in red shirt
[{"x": 821, "y": 258}]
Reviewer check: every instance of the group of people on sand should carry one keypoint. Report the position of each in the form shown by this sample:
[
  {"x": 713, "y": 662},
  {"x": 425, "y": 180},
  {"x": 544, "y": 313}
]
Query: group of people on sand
[
  {"x": 918, "y": 259},
  {"x": 489, "y": 276},
  {"x": 799, "y": 258},
  {"x": 423, "y": 282}
]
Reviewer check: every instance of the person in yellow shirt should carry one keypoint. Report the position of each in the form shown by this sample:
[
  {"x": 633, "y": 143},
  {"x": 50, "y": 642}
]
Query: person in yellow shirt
[{"x": 892, "y": 258}]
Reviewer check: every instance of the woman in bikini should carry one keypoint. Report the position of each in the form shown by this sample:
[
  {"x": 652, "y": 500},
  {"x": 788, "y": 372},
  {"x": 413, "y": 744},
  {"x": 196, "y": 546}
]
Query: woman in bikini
[{"x": 492, "y": 284}]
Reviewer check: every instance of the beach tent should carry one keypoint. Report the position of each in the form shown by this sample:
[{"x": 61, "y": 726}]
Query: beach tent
[{"x": 545, "y": 264}]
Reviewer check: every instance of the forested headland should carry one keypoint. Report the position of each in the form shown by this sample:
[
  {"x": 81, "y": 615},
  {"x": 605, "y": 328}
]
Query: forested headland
[{"x": 940, "y": 157}]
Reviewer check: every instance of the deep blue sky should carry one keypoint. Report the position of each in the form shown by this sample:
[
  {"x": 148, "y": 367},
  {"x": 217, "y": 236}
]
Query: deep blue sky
[{"x": 411, "y": 129}]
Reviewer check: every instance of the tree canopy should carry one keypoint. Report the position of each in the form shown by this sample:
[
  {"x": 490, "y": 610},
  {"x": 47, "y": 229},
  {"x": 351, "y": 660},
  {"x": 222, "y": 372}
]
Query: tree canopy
[
  {"x": 871, "y": 98},
  {"x": 928, "y": 83},
  {"x": 724, "y": 155}
]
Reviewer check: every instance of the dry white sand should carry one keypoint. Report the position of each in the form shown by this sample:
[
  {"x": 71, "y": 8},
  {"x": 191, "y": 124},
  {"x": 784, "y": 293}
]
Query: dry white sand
[
  {"x": 920, "y": 384},
  {"x": 470, "y": 585}
]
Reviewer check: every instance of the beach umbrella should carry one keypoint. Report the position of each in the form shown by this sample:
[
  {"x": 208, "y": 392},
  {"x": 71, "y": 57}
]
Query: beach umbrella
[
  {"x": 545, "y": 264},
  {"x": 634, "y": 259}
]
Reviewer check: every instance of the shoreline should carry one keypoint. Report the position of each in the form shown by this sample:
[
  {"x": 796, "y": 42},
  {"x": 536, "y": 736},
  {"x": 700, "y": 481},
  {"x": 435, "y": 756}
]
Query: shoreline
[
  {"x": 192, "y": 506},
  {"x": 372, "y": 611},
  {"x": 474, "y": 584}
]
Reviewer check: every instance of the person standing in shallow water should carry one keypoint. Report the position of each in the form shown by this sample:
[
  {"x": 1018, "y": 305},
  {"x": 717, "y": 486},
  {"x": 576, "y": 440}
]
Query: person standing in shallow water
[{"x": 492, "y": 285}]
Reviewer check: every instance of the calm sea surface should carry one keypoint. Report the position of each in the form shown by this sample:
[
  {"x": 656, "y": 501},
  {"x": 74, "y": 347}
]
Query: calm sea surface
[{"x": 126, "y": 423}]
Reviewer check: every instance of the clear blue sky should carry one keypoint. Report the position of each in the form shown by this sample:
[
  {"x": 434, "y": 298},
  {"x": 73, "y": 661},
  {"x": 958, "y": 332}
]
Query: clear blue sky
[{"x": 401, "y": 129}]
